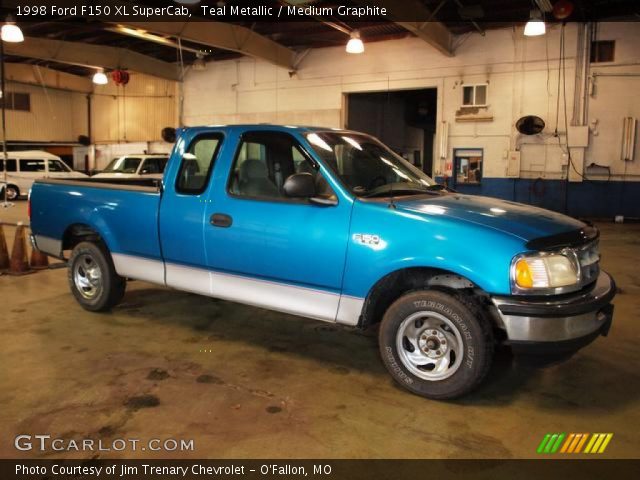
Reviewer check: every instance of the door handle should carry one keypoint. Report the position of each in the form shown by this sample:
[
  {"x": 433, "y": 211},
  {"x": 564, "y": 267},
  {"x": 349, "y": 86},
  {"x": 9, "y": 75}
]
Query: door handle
[{"x": 221, "y": 220}]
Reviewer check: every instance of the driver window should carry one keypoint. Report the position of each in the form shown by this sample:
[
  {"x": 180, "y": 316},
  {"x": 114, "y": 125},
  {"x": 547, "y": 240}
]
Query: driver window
[{"x": 264, "y": 161}]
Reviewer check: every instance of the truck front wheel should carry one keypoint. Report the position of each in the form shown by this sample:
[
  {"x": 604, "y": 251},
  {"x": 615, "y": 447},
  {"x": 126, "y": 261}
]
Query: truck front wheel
[
  {"x": 93, "y": 279},
  {"x": 435, "y": 344}
]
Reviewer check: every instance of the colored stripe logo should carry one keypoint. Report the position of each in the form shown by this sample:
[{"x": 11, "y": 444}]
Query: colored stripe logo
[{"x": 574, "y": 443}]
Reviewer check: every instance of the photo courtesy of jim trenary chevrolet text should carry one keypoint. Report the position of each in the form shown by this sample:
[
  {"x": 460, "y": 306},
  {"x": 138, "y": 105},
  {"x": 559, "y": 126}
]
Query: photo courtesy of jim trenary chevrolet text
[{"x": 324, "y": 239}]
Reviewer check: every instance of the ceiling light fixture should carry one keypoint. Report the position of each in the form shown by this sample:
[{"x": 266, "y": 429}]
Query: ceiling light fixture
[
  {"x": 535, "y": 26},
  {"x": 199, "y": 63},
  {"x": 355, "y": 45},
  {"x": 99, "y": 78},
  {"x": 11, "y": 32}
]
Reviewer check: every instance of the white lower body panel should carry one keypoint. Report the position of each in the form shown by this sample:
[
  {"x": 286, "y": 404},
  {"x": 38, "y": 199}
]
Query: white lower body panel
[
  {"x": 139, "y": 268},
  {"x": 292, "y": 299}
]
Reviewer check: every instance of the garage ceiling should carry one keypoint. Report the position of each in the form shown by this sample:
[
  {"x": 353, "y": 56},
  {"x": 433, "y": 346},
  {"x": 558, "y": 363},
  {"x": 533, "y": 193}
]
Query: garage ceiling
[{"x": 452, "y": 17}]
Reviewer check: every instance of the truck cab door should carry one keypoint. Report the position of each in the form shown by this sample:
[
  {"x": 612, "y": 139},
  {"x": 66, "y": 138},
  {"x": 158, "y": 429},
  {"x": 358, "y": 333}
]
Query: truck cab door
[
  {"x": 182, "y": 211},
  {"x": 269, "y": 250}
]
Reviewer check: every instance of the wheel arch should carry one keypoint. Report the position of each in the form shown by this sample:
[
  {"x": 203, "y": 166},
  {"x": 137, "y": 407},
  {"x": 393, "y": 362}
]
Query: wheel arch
[
  {"x": 399, "y": 282},
  {"x": 80, "y": 232}
]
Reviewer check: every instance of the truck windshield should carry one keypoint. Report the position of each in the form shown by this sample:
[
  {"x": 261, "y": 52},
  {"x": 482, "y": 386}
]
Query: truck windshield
[
  {"x": 368, "y": 167},
  {"x": 123, "y": 165}
]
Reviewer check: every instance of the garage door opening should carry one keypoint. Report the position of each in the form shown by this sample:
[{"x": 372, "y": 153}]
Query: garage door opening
[{"x": 405, "y": 120}]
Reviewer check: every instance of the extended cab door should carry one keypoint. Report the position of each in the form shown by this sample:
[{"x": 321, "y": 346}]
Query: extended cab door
[
  {"x": 182, "y": 211},
  {"x": 269, "y": 250}
]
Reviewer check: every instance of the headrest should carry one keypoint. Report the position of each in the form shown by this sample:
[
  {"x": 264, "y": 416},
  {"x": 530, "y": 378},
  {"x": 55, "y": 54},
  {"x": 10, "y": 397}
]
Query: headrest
[{"x": 252, "y": 169}]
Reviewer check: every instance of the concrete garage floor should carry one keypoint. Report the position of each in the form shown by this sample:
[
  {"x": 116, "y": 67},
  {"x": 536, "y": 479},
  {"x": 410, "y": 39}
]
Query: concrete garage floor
[{"x": 244, "y": 382}]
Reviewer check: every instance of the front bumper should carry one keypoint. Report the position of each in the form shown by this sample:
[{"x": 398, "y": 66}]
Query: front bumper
[{"x": 558, "y": 324}]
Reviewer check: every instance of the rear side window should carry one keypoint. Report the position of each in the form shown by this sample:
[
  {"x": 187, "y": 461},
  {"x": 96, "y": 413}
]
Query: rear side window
[
  {"x": 57, "y": 166},
  {"x": 197, "y": 164},
  {"x": 11, "y": 165},
  {"x": 153, "y": 165},
  {"x": 27, "y": 165}
]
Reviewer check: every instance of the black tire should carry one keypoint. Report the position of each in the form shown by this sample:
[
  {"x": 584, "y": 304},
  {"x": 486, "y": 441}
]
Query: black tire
[
  {"x": 444, "y": 312},
  {"x": 107, "y": 292}
]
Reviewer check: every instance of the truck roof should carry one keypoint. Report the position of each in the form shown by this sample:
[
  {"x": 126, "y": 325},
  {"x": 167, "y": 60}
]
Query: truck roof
[{"x": 267, "y": 126}]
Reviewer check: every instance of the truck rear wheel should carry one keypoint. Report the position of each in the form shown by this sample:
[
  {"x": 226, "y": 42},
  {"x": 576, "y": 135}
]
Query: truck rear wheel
[
  {"x": 436, "y": 345},
  {"x": 93, "y": 279}
]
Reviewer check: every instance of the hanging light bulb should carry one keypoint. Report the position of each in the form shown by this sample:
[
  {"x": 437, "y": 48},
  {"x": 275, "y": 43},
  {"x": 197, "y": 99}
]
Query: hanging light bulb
[
  {"x": 99, "y": 78},
  {"x": 535, "y": 26},
  {"x": 11, "y": 32},
  {"x": 355, "y": 45}
]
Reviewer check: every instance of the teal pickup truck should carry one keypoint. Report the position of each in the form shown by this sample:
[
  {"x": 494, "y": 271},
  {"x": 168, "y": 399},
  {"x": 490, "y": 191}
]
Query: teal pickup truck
[{"x": 332, "y": 225}]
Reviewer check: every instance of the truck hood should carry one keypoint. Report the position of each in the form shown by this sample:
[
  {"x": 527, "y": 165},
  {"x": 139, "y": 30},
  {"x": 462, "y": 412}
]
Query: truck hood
[{"x": 523, "y": 221}]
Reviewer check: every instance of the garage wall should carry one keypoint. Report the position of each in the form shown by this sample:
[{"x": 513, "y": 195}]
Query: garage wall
[
  {"x": 55, "y": 116},
  {"x": 522, "y": 73},
  {"x": 135, "y": 113}
]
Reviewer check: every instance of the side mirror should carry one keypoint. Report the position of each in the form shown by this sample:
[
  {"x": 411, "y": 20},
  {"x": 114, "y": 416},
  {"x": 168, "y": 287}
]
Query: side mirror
[{"x": 300, "y": 185}]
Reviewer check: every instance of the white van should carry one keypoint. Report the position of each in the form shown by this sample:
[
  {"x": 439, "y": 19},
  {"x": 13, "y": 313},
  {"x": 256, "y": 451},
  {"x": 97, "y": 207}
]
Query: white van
[
  {"x": 135, "y": 166},
  {"x": 25, "y": 167}
]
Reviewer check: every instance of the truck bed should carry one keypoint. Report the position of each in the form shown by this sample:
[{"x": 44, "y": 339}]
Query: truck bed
[{"x": 125, "y": 212}]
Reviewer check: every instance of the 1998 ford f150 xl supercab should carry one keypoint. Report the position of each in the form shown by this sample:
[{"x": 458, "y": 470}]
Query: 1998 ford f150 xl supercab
[{"x": 332, "y": 225}]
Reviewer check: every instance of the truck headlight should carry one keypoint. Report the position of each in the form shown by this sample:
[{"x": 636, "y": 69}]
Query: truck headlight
[{"x": 544, "y": 271}]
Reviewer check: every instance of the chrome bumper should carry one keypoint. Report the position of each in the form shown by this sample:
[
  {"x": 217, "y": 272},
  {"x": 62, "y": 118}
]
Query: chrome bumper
[{"x": 575, "y": 317}]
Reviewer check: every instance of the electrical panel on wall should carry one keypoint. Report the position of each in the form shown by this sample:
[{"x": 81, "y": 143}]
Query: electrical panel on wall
[
  {"x": 578, "y": 136},
  {"x": 513, "y": 163}
]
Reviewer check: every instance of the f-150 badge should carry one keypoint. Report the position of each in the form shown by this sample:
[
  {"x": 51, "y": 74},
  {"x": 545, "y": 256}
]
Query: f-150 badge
[{"x": 366, "y": 238}]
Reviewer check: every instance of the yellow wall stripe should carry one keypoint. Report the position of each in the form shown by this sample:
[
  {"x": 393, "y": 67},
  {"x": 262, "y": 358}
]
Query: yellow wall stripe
[
  {"x": 596, "y": 445},
  {"x": 591, "y": 442},
  {"x": 606, "y": 441}
]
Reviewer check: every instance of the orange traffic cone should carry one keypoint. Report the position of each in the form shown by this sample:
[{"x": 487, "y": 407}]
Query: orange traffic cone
[
  {"x": 4, "y": 252},
  {"x": 38, "y": 260},
  {"x": 18, "y": 263}
]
